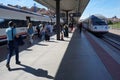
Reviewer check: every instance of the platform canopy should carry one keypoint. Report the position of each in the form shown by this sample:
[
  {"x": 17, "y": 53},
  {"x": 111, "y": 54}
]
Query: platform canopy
[{"x": 74, "y": 6}]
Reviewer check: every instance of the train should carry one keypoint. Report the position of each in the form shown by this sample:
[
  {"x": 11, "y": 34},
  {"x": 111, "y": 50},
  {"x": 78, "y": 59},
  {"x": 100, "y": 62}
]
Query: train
[
  {"x": 96, "y": 24},
  {"x": 20, "y": 18}
]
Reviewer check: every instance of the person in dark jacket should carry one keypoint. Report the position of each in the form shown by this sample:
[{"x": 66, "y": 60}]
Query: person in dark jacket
[
  {"x": 38, "y": 31},
  {"x": 66, "y": 30},
  {"x": 80, "y": 27}
]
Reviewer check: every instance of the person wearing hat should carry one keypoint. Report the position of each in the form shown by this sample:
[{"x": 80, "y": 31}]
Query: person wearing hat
[{"x": 12, "y": 45}]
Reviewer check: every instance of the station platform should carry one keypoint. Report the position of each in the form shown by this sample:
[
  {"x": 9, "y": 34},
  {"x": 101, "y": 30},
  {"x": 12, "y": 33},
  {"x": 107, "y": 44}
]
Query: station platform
[
  {"x": 78, "y": 57},
  {"x": 115, "y": 31}
]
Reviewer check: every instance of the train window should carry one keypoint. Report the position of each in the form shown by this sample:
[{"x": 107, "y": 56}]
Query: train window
[
  {"x": 3, "y": 23},
  {"x": 19, "y": 23},
  {"x": 98, "y": 22},
  {"x": 1, "y": 20}
]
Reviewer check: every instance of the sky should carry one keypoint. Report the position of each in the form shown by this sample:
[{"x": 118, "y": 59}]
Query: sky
[
  {"x": 107, "y": 8},
  {"x": 27, "y": 3}
]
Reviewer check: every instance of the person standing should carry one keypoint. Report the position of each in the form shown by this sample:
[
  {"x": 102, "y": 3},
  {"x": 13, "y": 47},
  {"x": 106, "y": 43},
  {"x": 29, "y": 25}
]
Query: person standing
[
  {"x": 42, "y": 30},
  {"x": 47, "y": 32},
  {"x": 12, "y": 45},
  {"x": 62, "y": 32},
  {"x": 38, "y": 31},
  {"x": 80, "y": 27},
  {"x": 66, "y": 30},
  {"x": 30, "y": 32}
]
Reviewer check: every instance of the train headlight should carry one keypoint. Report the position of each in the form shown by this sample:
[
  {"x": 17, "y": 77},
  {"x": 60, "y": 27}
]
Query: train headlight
[
  {"x": 106, "y": 27},
  {"x": 95, "y": 27}
]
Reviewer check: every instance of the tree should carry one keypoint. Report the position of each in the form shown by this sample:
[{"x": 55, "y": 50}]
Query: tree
[{"x": 110, "y": 22}]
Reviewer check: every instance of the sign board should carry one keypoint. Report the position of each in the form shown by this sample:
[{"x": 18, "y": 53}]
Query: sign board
[{"x": 74, "y": 14}]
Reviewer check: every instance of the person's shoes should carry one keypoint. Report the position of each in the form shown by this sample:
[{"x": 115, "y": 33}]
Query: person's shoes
[
  {"x": 8, "y": 67},
  {"x": 18, "y": 62}
]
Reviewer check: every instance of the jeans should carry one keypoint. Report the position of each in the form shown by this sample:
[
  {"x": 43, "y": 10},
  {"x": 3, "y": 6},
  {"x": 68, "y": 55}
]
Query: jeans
[
  {"x": 43, "y": 36},
  {"x": 12, "y": 46}
]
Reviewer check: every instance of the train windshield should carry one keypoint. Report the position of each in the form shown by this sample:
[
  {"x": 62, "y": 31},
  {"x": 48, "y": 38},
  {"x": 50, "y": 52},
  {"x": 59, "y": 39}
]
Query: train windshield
[{"x": 99, "y": 21}]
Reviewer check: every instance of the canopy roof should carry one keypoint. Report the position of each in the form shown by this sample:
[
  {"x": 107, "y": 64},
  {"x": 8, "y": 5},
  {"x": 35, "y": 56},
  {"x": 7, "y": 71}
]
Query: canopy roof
[{"x": 75, "y": 6}]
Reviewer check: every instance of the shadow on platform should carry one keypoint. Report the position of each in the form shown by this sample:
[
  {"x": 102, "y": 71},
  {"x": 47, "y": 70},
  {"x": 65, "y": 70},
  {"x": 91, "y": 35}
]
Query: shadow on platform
[
  {"x": 33, "y": 71},
  {"x": 68, "y": 66},
  {"x": 4, "y": 49}
]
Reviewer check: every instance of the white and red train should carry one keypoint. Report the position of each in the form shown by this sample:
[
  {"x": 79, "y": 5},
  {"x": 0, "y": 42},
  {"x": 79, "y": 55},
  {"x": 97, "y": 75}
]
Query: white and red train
[{"x": 19, "y": 17}]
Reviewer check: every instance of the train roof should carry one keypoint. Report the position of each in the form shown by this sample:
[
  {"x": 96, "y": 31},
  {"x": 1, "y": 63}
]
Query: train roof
[
  {"x": 17, "y": 9},
  {"x": 8, "y": 12},
  {"x": 97, "y": 16}
]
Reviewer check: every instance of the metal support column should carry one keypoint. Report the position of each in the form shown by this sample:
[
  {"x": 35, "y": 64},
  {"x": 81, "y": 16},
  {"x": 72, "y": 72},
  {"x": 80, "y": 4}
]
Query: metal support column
[{"x": 58, "y": 18}]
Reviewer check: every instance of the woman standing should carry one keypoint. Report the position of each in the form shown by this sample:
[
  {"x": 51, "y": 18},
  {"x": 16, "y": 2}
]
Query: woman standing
[
  {"x": 30, "y": 32},
  {"x": 42, "y": 30}
]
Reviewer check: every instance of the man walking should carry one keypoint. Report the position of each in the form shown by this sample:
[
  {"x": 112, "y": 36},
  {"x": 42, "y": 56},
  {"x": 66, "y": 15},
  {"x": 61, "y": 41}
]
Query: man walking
[{"x": 12, "y": 45}]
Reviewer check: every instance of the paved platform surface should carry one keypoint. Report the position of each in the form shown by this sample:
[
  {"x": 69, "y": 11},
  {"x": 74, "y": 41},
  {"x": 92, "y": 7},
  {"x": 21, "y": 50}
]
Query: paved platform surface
[
  {"x": 38, "y": 62},
  {"x": 115, "y": 31},
  {"x": 72, "y": 59},
  {"x": 81, "y": 62}
]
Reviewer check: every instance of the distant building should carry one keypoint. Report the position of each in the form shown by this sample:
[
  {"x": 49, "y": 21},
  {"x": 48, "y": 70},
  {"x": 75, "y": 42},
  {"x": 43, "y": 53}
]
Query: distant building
[
  {"x": 114, "y": 19},
  {"x": 25, "y": 8},
  {"x": 34, "y": 8}
]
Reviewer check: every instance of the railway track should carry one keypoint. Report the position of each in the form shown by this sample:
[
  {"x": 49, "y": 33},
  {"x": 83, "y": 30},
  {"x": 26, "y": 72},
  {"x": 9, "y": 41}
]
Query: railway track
[{"x": 112, "y": 41}]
